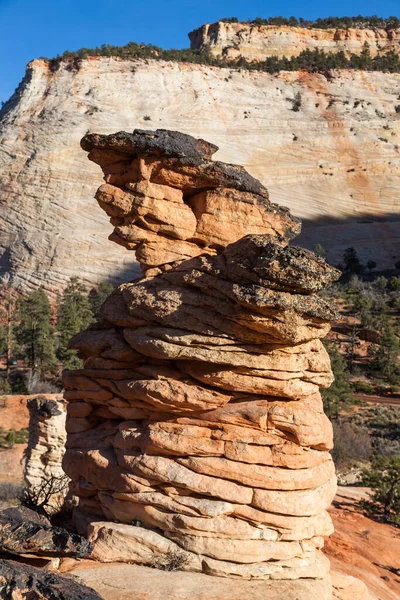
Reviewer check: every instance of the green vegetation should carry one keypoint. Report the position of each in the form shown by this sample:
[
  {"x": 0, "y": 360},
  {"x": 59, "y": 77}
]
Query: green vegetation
[
  {"x": 320, "y": 250},
  {"x": 352, "y": 444},
  {"x": 314, "y": 61},
  {"x": 386, "y": 355},
  {"x": 97, "y": 297},
  {"x": 365, "y": 351},
  {"x": 74, "y": 314},
  {"x": 383, "y": 477},
  {"x": 340, "y": 394},
  {"x": 358, "y": 22},
  {"x": 34, "y": 335},
  {"x": 12, "y": 437}
]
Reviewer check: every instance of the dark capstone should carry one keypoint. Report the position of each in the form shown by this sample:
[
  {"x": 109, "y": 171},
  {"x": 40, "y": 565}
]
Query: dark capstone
[
  {"x": 44, "y": 407},
  {"x": 180, "y": 151},
  {"x": 23, "y": 531},
  {"x": 161, "y": 142},
  {"x": 259, "y": 259},
  {"x": 18, "y": 580}
]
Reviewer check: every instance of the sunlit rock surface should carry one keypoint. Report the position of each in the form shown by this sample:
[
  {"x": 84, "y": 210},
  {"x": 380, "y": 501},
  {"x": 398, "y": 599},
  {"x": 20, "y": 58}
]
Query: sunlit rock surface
[
  {"x": 336, "y": 158},
  {"x": 196, "y": 431}
]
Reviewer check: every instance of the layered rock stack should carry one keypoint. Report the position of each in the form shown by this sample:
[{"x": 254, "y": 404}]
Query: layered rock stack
[{"x": 197, "y": 419}]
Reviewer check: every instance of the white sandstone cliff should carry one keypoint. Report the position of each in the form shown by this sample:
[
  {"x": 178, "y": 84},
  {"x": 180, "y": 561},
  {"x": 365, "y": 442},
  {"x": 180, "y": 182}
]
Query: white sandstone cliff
[
  {"x": 255, "y": 42},
  {"x": 337, "y": 157}
]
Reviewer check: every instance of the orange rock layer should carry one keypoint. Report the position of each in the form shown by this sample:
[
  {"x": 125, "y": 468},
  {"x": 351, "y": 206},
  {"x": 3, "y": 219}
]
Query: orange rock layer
[{"x": 197, "y": 416}]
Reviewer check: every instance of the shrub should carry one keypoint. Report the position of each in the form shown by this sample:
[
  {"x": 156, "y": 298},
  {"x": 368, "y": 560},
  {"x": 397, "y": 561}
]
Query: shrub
[
  {"x": 10, "y": 490},
  {"x": 352, "y": 444},
  {"x": 10, "y": 439},
  {"x": 363, "y": 388},
  {"x": 394, "y": 284},
  {"x": 319, "y": 250},
  {"x": 297, "y": 102},
  {"x": 384, "y": 480},
  {"x": 35, "y": 386},
  {"x": 50, "y": 490},
  {"x": 174, "y": 560},
  {"x": 5, "y": 386},
  {"x": 381, "y": 282}
]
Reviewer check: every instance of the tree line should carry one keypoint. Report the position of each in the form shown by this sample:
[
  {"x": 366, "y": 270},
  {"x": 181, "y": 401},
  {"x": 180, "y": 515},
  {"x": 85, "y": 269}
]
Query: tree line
[
  {"x": 37, "y": 332},
  {"x": 314, "y": 61},
  {"x": 367, "y": 439},
  {"x": 370, "y": 305},
  {"x": 359, "y": 22}
]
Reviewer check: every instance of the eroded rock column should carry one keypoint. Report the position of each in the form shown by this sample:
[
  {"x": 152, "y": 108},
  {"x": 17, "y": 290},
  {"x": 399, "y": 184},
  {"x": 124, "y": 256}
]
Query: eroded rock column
[
  {"x": 197, "y": 419},
  {"x": 43, "y": 472}
]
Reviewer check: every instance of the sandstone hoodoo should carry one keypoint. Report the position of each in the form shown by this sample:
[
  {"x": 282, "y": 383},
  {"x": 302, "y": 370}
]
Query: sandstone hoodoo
[
  {"x": 196, "y": 432},
  {"x": 43, "y": 474}
]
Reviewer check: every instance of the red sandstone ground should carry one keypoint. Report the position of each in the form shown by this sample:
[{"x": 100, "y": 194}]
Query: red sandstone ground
[
  {"x": 11, "y": 463},
  {"x": 14, "y": 412},
  {"x": 360, "y": 544}
]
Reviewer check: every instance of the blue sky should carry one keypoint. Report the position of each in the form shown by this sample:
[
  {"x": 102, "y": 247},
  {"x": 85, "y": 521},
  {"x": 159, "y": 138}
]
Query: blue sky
[{"x": 33, "y": 28}]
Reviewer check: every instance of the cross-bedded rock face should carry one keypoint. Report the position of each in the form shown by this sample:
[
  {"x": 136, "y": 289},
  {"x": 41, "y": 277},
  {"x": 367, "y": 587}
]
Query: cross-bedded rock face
[
  {"x": 169, "y": 201},
  {"x": 198, "y": 414}
]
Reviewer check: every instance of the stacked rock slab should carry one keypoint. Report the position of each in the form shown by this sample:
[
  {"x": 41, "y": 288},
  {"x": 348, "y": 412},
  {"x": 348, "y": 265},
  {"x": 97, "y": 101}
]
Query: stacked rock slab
[{"x": 196, "y": 424}]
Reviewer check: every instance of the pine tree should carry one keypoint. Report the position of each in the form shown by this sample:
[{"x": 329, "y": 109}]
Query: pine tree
[
  {"x": 97, "y": 298},
  {"x": 351, "y": 261},
  {"x": 394, "y": 284},
  {"x": 7, "y": 313},
  {"x": 35, "y": 334},
  {"x": 386, "y": 359},
  {"x": 340, "y": 393},
  {"x": 73, "y": 315}
]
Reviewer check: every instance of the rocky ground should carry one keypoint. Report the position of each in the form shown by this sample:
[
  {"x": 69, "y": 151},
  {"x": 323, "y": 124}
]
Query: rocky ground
[{"x": 360, "y": 547}]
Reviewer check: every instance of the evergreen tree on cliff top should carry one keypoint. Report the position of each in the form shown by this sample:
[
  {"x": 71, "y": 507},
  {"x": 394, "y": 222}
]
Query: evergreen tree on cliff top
[
  {"x": 74, "y": 314},
  {"x": 35, "y": 334}
]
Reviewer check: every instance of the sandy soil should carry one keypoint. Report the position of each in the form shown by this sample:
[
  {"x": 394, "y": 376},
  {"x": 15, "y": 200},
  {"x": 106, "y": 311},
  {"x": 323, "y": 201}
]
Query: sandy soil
[{"x": 11, "y": 464}]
